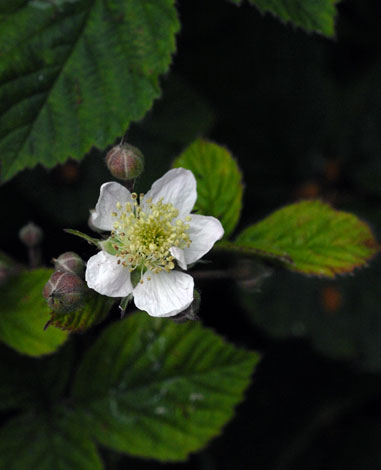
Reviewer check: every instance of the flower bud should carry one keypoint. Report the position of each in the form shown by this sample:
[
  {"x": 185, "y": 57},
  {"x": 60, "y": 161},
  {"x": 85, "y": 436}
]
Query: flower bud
[
  {"x": 70, "y": 262},
  {"x": 125, "y": 162},
  {"x": 64, "y": 292},
  {"x": 191, "y": 312},
  {"x": 31, "y": 235}
]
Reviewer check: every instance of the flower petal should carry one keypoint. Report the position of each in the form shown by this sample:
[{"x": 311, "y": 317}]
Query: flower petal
[
  {"x": 110, "y": 194},
  {"x": 178, "y": 254},
  {"x": 166, "y": 294},
  {"x": 204, "y": 231},
  {"x": 106, "y": 276},
  {"x": 177, "y": 186}
]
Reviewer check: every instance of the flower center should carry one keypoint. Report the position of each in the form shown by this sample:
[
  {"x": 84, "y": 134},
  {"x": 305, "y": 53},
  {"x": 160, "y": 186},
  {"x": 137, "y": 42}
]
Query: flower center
[{"x": 143, "y": 238}]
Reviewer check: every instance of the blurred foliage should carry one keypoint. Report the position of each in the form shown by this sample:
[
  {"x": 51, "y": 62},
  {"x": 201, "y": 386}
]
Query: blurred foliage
[{"x": 341, "y": 319}]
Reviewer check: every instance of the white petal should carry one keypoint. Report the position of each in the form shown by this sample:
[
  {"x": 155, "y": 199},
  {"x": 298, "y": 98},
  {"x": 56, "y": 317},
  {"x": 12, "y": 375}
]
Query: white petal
[
  {"x": 177, "y": 186},
  {"x": 204, "y": 231},
  {"x": 166, "y": 294},
  {"x": 106, "y": 276},
  {"x": 110, "y": 194},
  {"x": 178, "y": 254}
]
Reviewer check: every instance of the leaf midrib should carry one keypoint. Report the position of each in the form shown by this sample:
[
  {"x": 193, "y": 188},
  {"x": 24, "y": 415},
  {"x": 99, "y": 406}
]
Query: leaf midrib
[{"x": 49, "y": 93}]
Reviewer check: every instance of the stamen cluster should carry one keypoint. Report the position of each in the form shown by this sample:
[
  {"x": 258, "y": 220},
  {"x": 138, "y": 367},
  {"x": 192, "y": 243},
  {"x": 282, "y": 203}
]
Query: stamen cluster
[{"x": 142, "y": 239}]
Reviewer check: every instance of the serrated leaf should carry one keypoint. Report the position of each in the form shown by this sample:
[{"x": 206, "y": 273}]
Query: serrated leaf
[
  {"x": 311, "y": 15},
  {"x": 45, "y": 441},
  {"x": 94, "y": 310},
  {"x": 24, "y": 312},
  {"x": 153, "y": 388},
  {"x": 73, "y": 75},
  {"x": 219, "y": 185},
  {"x": 312, "y": 238}
]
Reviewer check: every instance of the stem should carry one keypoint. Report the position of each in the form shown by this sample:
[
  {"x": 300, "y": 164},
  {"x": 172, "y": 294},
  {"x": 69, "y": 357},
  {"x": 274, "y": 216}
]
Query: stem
[
  {"x": 34, "y": 254},
  {"x": 129, "y": 184},
  {"x": 213, "y": 274}
]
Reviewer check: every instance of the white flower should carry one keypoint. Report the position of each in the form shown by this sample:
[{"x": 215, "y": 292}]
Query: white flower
[{"x": 149, "y": 235}]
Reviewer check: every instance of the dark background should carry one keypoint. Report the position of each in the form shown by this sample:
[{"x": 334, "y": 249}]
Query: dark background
[{"x": 302, "y": 115}]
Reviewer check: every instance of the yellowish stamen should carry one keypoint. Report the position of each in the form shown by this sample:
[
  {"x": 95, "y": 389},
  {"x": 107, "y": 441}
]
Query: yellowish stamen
[{"x": 145, "y": 233}]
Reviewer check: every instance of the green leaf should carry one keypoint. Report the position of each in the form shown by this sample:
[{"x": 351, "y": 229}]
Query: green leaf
[
  {"x": 311, "y": 15},
  {"x": 27, "y": 382},
  {"x": 340, "y": 319},
  {"x": 95, "y": 310},
  {"x": 24, "y": 312},
  {"x": 156, "y": 389},
  {"x": 219, "y": 185},
  {"x": 310, "y": 237},
  {"x": 45, "y": 441},
  {"x": 74, "y": 75}
]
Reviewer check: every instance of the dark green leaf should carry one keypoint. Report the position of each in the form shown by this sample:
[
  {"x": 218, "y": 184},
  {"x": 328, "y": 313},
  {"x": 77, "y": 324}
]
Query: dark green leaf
[
  {"x": 45, "y": 441},
  {"x": 311, "y": 15},
  {"x": 24, "y": 312},
  {"x": 219, "y": 186},
  {"x": 95, "y": 309},
  {"x": 153, "y": 388},
  {"x": 30, "y": 382},
  {"x": 340, "y": 318},
  {"x": 310, "y": 237},
  {"x": 74, "y": 75}
]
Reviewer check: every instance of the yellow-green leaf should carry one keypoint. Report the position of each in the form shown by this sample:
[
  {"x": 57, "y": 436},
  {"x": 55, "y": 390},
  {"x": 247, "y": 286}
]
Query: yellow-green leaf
[
  {"x": 310, "y": 237},
  {"x": 24, "y": 313},
  {"x": 219, "y": 185}
]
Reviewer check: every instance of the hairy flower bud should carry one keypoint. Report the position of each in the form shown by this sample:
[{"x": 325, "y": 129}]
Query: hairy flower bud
[
  {"x": 64, "y": 292},
  {"x": 31, "y": 235},
  {"x": 125, "y": 162},
  {"x": 70, "y": 262},
  {"x": 191, "y": 312}
]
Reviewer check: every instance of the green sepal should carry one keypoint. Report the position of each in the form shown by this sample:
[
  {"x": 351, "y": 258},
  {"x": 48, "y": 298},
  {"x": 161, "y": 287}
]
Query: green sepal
[
  {"x": 93, "y": 311},
  {"x": 77, "y": 233}
]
